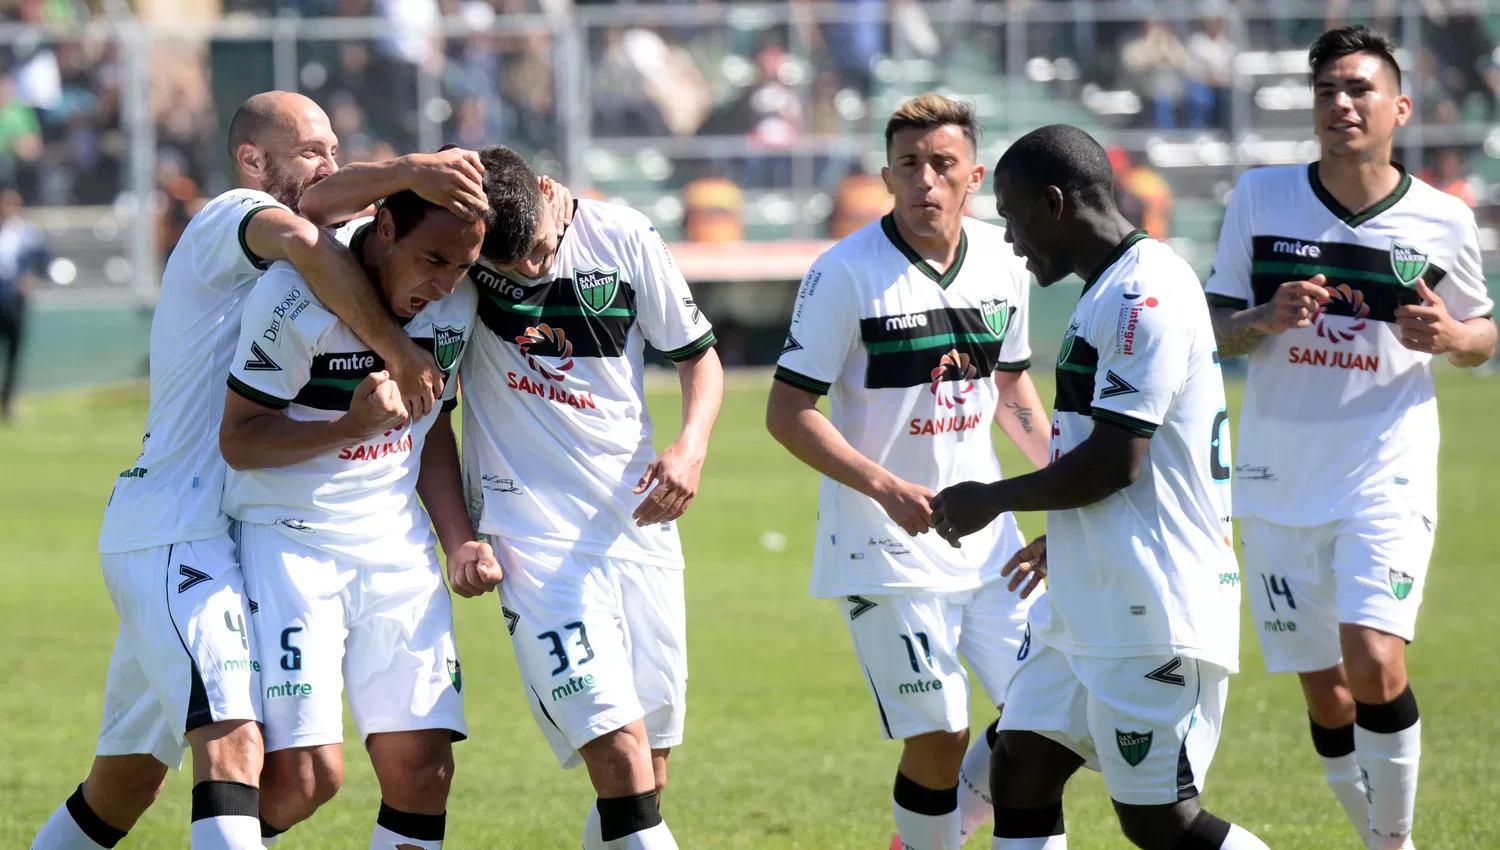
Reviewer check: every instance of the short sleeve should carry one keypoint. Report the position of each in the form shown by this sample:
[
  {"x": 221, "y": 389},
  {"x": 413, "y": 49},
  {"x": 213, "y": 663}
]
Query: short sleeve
[
  {"x": 279, "y": 334},
  {"x": 825, "y": 322},
  {"x": 1143, "y": 361},
  {"x": 217, "y": 236},
  {"x": 1015, "y": 349},
  {"x": 1464, "y": 291},
  {"x": 1229, "y": 279},
  {"x": 669, "y": 316}
]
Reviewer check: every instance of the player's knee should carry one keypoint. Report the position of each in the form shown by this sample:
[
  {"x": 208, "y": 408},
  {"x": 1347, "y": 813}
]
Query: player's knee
[
  {"x": 620, "y": 763},
  {"x": 295, "y": 784},
  {"x": 1328, "y": 700},
  {"x": 232, "y": 751},
  {"x": 1376, "y": 668},
  {"x": 1028, "y": 771},
  {"x": 938, "y": 750},
  {"x": 415, "y": 769},
  {"x": 123, "y": 788},
  {"x": 1157, "y": 827}
]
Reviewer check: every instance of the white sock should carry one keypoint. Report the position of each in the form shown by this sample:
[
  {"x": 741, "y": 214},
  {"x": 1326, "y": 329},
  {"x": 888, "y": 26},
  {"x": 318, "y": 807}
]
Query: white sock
[
  {"x": 975, "y": 807},
  {"x": 652, "y": 838},
  {"x": 1389, "y": 760},
  {"x": 397, "y": 829},
  {"x": 593, "y": 839},
  {"x": 226, "y": 833},
  {"x": 74, "y": 826},
  {"x": 1349, "y": 788},
  {"x": 1050, "y": 842},
  {"x": 1240, "y": 839},
  {"x": 927, "y": 832}
]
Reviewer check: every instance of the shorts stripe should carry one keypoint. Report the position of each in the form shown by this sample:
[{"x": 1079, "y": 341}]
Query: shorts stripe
[
  {"x": 545, "y": 713},
  {"x": 198, "y": 712},
  {"x": 1186, "y": 789},
  {"x": 883, "y": 721}
]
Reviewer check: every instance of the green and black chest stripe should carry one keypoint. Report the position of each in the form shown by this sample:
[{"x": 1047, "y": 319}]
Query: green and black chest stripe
[
  {"x": 595, "y": 329},
  {"x": 904, "y": 350},
  {"x": 1076, "y": 364},
  {"x": 1365, "y": 282},
  {"x": 333, "y": 377}
]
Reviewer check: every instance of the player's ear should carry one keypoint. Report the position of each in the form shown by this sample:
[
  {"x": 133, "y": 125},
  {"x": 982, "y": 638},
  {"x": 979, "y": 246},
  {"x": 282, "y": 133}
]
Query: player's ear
[
  {"x": 885, "y": 177},
  {"x": 1055, "y": 201},
  {"x": 385, "y": 225},
  {"x": 251, "y": 159},
  {"x": 1403, "y": 110},
  {"x": 976, "y": 179}
]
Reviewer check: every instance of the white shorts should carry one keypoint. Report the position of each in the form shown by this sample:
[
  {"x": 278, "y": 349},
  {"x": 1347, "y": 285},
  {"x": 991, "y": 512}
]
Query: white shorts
[
  {"x": 183, "y": 658},
  {"x": 908, "y": 646},
  {"x": 1149, "y": 724},
  {"x": 600, "y": 643},
  {"x": 328, "y": 624},
  {"x": 1304, "y": 582}
]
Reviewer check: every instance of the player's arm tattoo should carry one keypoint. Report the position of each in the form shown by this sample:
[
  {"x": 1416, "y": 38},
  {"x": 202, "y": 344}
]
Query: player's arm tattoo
[
  {"x": 1022, "y": 414},
  {"x": 1235, "y": 330}
]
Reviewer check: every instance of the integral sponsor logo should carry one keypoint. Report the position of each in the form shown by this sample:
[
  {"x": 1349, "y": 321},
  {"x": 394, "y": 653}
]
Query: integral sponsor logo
[
  {"x": 953, "y": 368},
  {"x": 241, "y": 665},
  {"x": 1408, "y": 263},
  {"x": 260, "y": 361},
  {"x": 1246, "y": 472},
  {"x": 791, "y": 344},
  {"x": 135, "y": 472},
  {"x": 358, "y": 362},
  {"x": 289, "y": 689},
  {"x": 1333, "y": 359},
  {"x": 543, "y": 342},
  {"x": 921, "y": 686},
  {"x": 997, "y": 313},
  {"x": 294, "y": 524},
  {"x": 1278, "y": 625},
  {"x": 1117, "y": 386},
  {"x": 693, "y": 306},
  {"x": 550, "y": 392},
  {"x": 890, "y": 546},
  {"x": 1134, "y": 746},
  {"x": 1347, "y": 319},
  {"x": 1130, "y": 318},
  {"x": 597, "y": 287},
  {"x": 1297, "y": 249},
  {"x": 496, "y": 484},
  {"x": 1401, "y": 583},
  {"x": 575, "y": 685},
  {"x": 906, "y": 322},
  {"x": 288, "y": 310}
]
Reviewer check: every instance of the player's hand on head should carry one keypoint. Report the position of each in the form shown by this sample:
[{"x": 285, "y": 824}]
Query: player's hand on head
[
  {"x": 1028, "y": 566},
  {"x": 377, "y": 405},
  {"x": 908, "y": 505},
  {"x": 453, "y": 178},
  {"x": 1295, "y": 304},
  {"x": 1428, "y": 327},
  {"x": 473, "y": 569},
  {"x": 675, "y": 475},
  {"x": 563, "y": 209},
  {"x": 420, "y": 380},
  {"x": 961, "y": 510}
]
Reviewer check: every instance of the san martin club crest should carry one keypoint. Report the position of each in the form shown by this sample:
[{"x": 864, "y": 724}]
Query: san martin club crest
[
  {"x": 1134, "y": 746},
  {"x": 447, "y": 344},
  {"x": 456, "y": 674},
  {"x": 1408, "y": 263},
  {"x": 1400, "y": 583},
  {"x": 997, "y": 313},
  {"x": 596, "y": 288}
]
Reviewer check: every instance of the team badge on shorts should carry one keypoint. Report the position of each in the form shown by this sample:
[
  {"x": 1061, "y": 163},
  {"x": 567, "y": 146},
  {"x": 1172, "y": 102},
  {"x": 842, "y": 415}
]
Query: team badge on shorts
[
  {"x": 456, "y": 674},
  {"x": 1400, "y": 583},
  {"x": 447, "y": 344},
  {"x": 1408, "y": 263},
  {"x": 1134, "y": 746}
]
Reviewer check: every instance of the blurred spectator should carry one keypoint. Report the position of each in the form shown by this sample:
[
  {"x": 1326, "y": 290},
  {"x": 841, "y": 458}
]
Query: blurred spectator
[
  {"x": 178, "y": 200},
  {"x": 529, "y": 89},
  {"x": 1144, "y": 196},
  {"x": 348, "y": 122},
  {"x": 1210, "y": 74},
  {"x": 647, "y": 87},
  {"x": 858, "y": 200},
  {"x": 1155, "y": 63},
  {"x": 1450, "y": 174},
  {"x": 855, "y": 42},
  {"x": 768, "y": 113},
  {"x": 20, "y": 134},
  {"x": 712, "y": 210},
  {"x": 23, "y": 261}
]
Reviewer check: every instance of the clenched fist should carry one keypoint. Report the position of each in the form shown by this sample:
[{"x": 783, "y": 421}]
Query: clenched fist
[
  {"x": 473, "y": 570},
  {"x": 1294, "y": 305},
  {"x": 377, "y": 406}
]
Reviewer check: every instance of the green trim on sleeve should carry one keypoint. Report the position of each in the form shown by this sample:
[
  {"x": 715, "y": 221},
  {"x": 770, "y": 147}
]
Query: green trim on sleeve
[
  {"x": 1217, "y": 300},
  {"x": 1139, "y": 427},
  {"x": 1018, "y": 366},
  {"x": 250, "y": 255},
  {"x": 255, "y": 395},
  {"x": 801, "y": 381},
  {"x": 702, "y": 343}
]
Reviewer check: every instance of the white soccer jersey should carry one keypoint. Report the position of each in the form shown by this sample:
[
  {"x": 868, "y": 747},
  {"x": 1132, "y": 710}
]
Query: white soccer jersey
[
  {"x": 556, "y": 432},
  {"x": 171, "y": 494},
  {"x": 1149, "y": 570},
  {"x": 907, "y": 358},
  {"x": 1339, "y": 417},
  {"x": 295, "y": 354}
]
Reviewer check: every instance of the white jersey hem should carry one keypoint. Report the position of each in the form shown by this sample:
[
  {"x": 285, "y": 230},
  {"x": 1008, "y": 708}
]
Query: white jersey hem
[
  {"x": 121, "y": 547},
  {"x": 1142, "y": 650},
  {"x": 634, "y": 556}
]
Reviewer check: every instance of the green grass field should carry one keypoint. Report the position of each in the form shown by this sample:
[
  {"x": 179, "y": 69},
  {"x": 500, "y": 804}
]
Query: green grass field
[{"x": 783, "y": 747}]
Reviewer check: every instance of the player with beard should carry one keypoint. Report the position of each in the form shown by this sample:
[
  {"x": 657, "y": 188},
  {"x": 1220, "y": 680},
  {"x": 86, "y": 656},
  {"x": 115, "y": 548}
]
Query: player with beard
[{"x": 183, "y": 674}]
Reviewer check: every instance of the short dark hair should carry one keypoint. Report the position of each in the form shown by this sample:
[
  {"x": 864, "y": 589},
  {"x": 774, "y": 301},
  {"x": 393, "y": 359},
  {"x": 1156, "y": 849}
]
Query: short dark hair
[
  {"x": 1346, "y": 41},
  {"x": 407, "y": 210},
  {"x": 930, "y": 111},
  {"x": 515, "y": 199},
  {"x": 1064, "y": 156}
]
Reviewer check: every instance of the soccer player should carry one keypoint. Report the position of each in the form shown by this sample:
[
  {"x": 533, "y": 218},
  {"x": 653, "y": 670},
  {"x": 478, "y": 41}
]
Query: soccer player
[
  {"x": 1127, "y": 664},
  {"x": 559, "y": 468},
  {"x": 1341, "y": 280},
  {"x": 184, "y": 672},
  {"x": 916, "y": 327},
  {"x": 338, "y": 554}
]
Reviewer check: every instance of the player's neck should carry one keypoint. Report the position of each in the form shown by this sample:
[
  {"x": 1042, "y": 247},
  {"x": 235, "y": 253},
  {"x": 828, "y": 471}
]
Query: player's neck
[
  {"x": 1358, "y": 183},
  {"x": 940, "y": 250},
  {"x": 1100, "y": 235}
]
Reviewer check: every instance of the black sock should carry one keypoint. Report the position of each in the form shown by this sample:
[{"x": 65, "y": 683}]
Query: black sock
[
  {"x": 1332, "y": 743},
  {"x": 992, "y": 733},
  {"x": 214, "y": 799},
  {"x": 268, "y": 831},
  {"x": 1206, "y": 832},
  {"x": 1030, "y": 823},
  {"x": 92, "y": 825},
  {"x": 622, "y": 816},
  {"x": 420, "y": 827},
  {"x": 1388, "y": 718},
  {"x": 922, "y": 800}
]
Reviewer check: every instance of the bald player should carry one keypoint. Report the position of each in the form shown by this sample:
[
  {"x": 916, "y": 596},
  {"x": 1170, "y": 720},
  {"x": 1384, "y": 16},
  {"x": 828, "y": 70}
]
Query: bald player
[{"x": 183, "y": 673}]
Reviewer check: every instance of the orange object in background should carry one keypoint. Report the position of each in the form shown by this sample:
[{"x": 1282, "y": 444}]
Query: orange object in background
[
  {"x": 858, "y": 200},
  {"x": 1144, "y": 196},
  {"x": 712, "y": 207}
]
